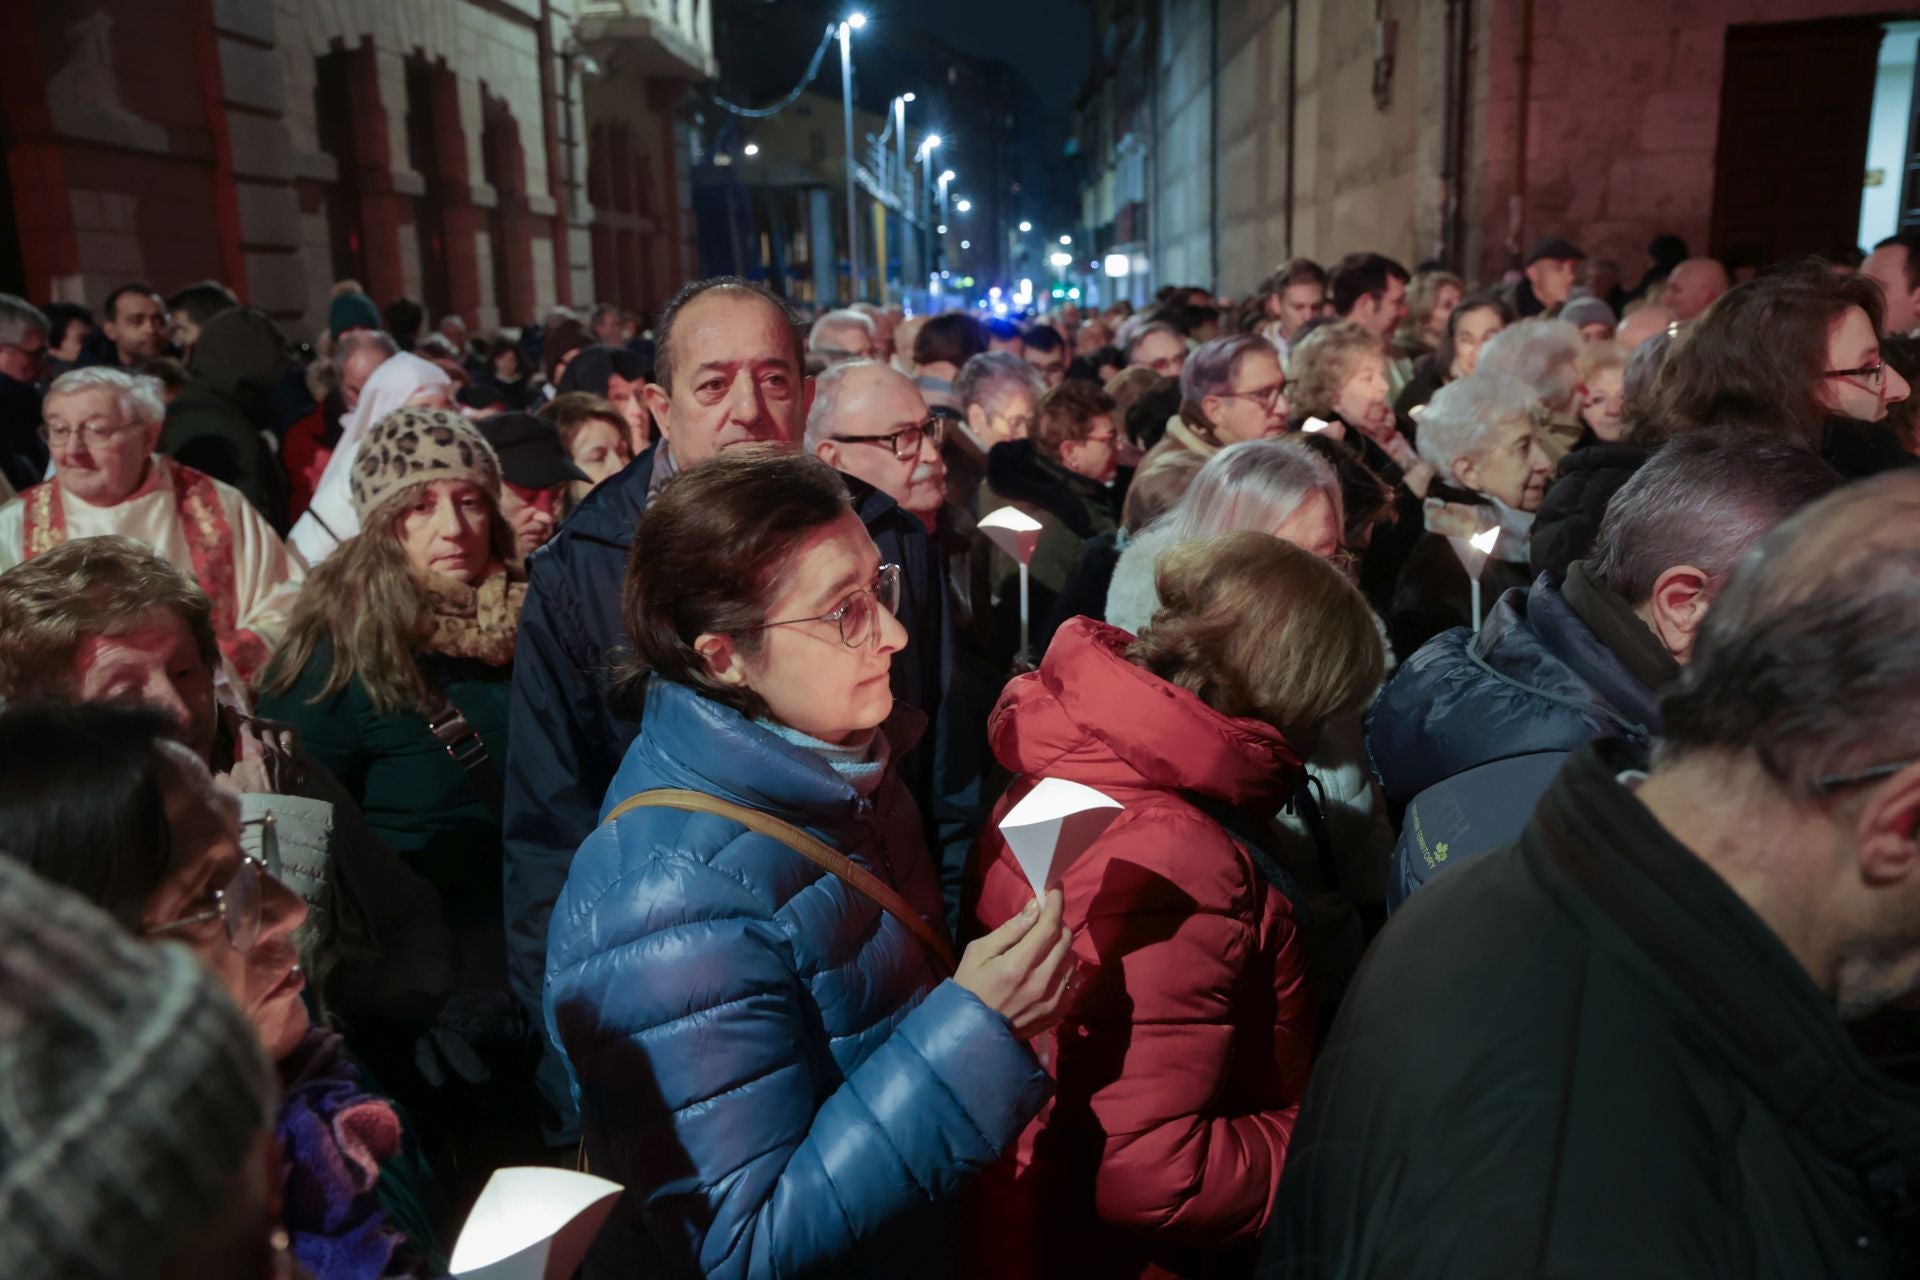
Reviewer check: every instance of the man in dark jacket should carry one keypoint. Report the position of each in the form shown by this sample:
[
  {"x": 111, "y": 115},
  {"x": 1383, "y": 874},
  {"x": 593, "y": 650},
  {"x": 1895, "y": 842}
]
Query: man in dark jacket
[
  {"x": 1616, "y": 1048},
  {"x": 728, "y": 373},
  {"x": 1467, "y": 734},
  {"x": 218, "y": 424},
  {"x": 23, "y": 367}
]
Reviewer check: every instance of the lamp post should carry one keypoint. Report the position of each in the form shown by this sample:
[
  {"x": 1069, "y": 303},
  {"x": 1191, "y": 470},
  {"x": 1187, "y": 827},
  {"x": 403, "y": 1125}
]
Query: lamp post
[
  {"x": 853, "y": 22},
  {"x": 927, "y": 149}
]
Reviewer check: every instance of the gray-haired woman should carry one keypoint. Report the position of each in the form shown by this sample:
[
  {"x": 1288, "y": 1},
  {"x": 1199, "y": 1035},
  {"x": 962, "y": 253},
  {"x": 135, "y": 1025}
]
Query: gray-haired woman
[
  {"x": 1484, "y": 437},
  {"x": 1338, "y": 837}
]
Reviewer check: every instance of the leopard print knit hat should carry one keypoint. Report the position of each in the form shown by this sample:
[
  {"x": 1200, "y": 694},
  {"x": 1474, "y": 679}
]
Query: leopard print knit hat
[{"x": 412, "y": 446}]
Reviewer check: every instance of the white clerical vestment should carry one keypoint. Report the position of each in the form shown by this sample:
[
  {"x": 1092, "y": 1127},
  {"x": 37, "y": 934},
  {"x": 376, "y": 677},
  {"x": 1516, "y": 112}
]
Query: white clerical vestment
[{"x": 196, "y": 522}]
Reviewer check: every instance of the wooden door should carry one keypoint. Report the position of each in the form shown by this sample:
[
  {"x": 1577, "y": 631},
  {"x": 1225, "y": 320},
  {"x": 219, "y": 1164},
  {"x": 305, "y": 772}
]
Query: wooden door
[{"x": 1796, "y": 100}]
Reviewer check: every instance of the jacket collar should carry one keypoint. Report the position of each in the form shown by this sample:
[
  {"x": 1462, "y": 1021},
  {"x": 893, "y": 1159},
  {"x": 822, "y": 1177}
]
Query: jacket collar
[
  {"x": 688, "y": 740},
  {"x": 1613, "y": 621},
  {"x": 1091, "y": 716},
  {"x": 1019, "y": 472},
  {"x": 1540, "y": 618},
  {"x": 1695, "y": 941}
]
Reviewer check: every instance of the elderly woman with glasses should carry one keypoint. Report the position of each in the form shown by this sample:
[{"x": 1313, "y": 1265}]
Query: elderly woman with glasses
[
  {"x": 104, "y": 801},
  {"x": 747, "y": 971}
]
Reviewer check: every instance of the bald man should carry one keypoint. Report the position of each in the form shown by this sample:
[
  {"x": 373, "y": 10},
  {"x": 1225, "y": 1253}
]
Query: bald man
[
  {"x": 1643, "y": 324},
  {"x": 1693, "y": 286}
]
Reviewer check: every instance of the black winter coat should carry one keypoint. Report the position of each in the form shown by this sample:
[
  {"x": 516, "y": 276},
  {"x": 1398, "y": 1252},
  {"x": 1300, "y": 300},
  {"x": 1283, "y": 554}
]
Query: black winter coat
[
  {"x": 1433, "y": 593},
  {"x": 1568, "y": 522},
  {"x": 1583, "y": 1056},
  {"x": 568, "y": 741}
]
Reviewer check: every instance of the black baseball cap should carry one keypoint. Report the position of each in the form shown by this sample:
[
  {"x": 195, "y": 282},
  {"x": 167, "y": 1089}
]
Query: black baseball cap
[
  {"x": 1557, "y": 248},
  {"x": 531, "y": 453}
]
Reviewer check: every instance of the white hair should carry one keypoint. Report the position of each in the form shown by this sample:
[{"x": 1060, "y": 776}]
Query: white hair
[
  {"x": 1253, "y": 485},
  {"x": 139, "y": 397},
  {"x": 18, "y": 318},
  {"x": 832, "y": 320},
  {"x": 1544, "y": 354},
  {"x": 1464, "y": 413}
]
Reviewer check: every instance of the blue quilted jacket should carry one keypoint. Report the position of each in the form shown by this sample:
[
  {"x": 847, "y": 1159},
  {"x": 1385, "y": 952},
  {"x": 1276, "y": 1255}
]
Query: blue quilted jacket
[{"x": 766, "y": 1060}]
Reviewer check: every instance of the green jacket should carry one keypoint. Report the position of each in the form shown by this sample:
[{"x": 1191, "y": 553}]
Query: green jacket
[
  {"x": 218, "y": 423},
  {"x": 414, "y": 795},
  {"x": 1583, "y": 1056}
]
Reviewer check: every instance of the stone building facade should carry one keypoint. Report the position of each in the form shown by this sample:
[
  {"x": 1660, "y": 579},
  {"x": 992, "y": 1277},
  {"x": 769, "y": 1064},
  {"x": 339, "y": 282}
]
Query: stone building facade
[
  {"x": 489, "y": 158},
  {"x": 1221, "y": 137}
]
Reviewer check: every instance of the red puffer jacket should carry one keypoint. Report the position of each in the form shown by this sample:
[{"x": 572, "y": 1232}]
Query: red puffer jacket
[{"x": 1180, "y": 1068}]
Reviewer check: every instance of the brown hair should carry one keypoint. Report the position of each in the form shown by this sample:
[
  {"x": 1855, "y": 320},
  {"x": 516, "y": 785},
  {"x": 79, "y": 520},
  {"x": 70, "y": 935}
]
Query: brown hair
[
  {"x": 1257, "y": 627},
  {"x": 1321, "y": 363},
  {"x": 366, "y": 602},
  {"x": 88, "y": 587},
  {"x": 1065, "y": 415},
  {"x": 575, "y": 409},
  {"x": 707, "y": 558},
  {"x": 1757, "y": 354}
]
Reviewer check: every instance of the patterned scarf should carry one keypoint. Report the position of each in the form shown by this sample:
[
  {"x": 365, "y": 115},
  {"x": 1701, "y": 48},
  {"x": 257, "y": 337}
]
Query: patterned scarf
[{"x": 475, "y": 622}]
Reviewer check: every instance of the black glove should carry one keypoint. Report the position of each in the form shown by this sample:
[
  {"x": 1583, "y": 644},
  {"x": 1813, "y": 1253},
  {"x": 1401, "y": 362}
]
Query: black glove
[{"x": 470, "y": 1027}]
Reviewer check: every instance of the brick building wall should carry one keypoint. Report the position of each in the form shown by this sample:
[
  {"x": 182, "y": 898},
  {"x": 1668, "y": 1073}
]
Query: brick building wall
[{"x": 436, "y": 149}]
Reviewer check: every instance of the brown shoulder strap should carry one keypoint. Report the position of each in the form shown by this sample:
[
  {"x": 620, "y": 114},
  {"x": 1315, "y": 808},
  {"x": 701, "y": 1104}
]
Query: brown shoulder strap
[{"x": 822, "y": 855}]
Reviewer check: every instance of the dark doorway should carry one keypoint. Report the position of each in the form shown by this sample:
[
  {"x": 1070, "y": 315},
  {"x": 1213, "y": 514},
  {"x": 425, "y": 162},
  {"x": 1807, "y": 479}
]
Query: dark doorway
[
  {"x": 425, "y": 134},
  {"x": 334, "y": 112},
  {"x": 1796, "y": 100}
]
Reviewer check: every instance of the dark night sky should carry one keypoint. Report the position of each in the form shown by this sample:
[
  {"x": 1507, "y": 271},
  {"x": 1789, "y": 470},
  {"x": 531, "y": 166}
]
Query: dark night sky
[{"x": 1048, "y": 41}]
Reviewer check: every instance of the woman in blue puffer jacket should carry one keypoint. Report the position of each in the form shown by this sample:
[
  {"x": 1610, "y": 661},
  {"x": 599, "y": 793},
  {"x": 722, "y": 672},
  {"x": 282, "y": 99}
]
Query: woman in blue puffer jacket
[{"x": 766, "y": 1056}]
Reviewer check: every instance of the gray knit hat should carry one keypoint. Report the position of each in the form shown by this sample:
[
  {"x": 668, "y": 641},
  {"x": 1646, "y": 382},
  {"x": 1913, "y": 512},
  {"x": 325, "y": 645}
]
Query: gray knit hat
[
  {"x": 1586, "y": 309},
  {"x": 131, "y": 1090},
  {"x": 417, "y": 446}
]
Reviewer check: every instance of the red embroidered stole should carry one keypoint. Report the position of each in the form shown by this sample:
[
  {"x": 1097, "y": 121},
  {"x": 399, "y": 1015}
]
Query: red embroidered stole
[{"x": 209, "y": 537}]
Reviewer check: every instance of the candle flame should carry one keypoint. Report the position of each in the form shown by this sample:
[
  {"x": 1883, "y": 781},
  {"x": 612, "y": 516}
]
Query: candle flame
[{"x": 1483, "y": 542}]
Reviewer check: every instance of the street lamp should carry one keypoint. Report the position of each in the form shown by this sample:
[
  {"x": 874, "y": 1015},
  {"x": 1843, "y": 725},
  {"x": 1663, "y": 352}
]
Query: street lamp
[
  {"x": 854, "y": 21},
  {"x": 1026, "y": 226},
  {"x": 965, "y": 206},
  {"x": 751, "y": 149},
  {"x": 1066, "y": 239}
]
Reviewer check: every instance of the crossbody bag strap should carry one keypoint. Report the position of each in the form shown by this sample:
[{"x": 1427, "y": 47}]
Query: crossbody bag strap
[
  {"x": 463, "y": 742},
  {"x": 814, "y": 850}
]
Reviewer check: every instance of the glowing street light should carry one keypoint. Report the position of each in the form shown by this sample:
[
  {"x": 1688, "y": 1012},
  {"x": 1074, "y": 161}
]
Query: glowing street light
[
  {"x": 941, "y": 229},
  {"x": 751, "y": 149},
  {"x": 1026, "y": 226},
  {"x": 966, "y": 244},
  {"x": 964, "y": 206},
  {"x": 947, "y": 176},
  {"x": 1062, "y": 260},
  {"x": 856, "y": 20},
  {"x": 1066, "y": 239},
  {"x": 907, "y": 96}
]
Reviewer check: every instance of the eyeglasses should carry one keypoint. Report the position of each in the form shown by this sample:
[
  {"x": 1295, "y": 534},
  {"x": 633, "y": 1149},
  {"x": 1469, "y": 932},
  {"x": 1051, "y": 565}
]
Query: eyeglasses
[
  {"x": 1835, "y": 781},
  {"x": 94, "y": 434},
  {"x": 858, "y": 615},
  {"x": 907, "y": 443},
  {"x": 238, "y": 906},
  {"x": 1874, "y": 374},
  {"x": 35, "y": 354},
  {"x": 1267, "y": 398}
]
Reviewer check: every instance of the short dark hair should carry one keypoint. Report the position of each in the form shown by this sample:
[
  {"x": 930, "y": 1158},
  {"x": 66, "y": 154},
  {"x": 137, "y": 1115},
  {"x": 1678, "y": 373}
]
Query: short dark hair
[
  {"x": 404, "y": 318},
  {"x": 1363, "y": 275},
  {"x": 1044, "y": 337},
  {"x": 1758, "y": 354},
  {"x": 1065, "y": 415},
  {"x": 1910, "y": 241},
  {"x": 202, "y": 301},
  {"x": 62, "y": 316},
  {"x": 1192, "y": 318},
  {"x": 82, "y": 803},
  {"x": 1296, "y": 271},
  {"x": 953, "y": 338},
  {"x": 1702, "y": 500},
  {"x": 1806, "y": 660},
  {"x": 1443, "y": 351},
  {"x": 670, "y": 320},
  {"x": 707, "y": 553},
  {"x": 112, "y": 308},
  {"x": 1148, "y": 414}
]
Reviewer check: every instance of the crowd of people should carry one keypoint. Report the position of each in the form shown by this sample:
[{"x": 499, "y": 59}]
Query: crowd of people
[{"x": 594, "y": 744}]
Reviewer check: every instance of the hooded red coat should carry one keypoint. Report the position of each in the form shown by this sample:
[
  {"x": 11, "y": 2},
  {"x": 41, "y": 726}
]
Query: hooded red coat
[{"x": 1180, "y": 1066}]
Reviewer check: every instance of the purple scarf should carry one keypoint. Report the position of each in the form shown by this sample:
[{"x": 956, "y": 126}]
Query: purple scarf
[{"x": 333, "y": 1139}]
